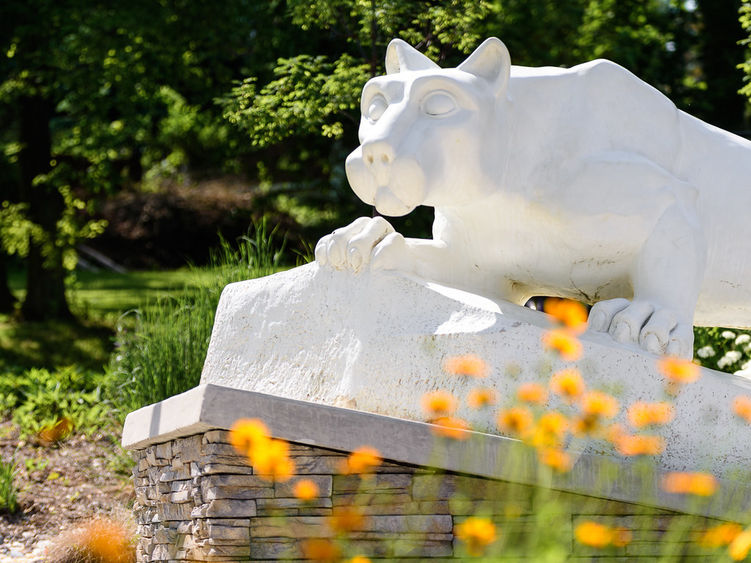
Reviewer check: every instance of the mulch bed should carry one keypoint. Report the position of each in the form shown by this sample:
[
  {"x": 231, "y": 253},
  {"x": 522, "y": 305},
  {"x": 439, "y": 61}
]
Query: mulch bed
[{"x": 62, "y": 485}]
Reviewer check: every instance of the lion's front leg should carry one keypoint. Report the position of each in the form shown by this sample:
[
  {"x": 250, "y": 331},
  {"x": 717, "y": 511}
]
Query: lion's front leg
[
  {"x": 668, "y": 274},
  {"x": 372, "y": 243}
]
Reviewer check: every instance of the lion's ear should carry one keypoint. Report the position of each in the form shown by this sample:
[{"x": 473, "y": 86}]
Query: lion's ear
[
  {"x": 401, "y": 56},
  {"x": 492, "y": 62}
]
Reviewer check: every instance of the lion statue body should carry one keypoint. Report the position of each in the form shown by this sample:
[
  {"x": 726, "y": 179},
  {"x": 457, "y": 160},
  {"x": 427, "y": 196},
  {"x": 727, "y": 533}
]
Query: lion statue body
[{"x": 584, "y": 183}]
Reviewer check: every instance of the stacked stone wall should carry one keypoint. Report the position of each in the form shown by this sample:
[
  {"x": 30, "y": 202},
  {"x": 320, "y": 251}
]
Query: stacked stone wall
[{"x": 198, "y": 500}]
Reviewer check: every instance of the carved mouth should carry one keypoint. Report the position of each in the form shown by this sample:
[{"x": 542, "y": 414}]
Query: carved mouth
[{"x": 388, "y": 203}]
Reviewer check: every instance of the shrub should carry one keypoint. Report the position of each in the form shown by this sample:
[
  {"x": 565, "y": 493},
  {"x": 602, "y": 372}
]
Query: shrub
[{"x": 164, "y": 354}]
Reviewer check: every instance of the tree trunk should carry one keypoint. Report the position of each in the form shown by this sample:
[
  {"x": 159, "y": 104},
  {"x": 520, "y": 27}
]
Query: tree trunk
[
  {"x": 7, "y": 300},
  {"x": 45, "y": 275}
]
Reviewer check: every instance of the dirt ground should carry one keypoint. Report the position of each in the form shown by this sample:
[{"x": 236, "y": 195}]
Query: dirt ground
[{"x": 60, "y": 487}]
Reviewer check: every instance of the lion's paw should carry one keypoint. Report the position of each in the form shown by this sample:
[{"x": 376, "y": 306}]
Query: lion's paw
[
  {"x": 354, "y": 246},
  {"x": 653, "y": 328}
]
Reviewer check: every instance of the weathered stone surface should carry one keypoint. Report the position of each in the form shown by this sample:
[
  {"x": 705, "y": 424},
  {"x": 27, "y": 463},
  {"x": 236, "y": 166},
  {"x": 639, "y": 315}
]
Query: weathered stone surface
[
  {"x": 287, "y": 488},
  {"x": 291, "y": 527},
  {"x": 226, "y": 508},
  {"x": 380, "y": 482}
]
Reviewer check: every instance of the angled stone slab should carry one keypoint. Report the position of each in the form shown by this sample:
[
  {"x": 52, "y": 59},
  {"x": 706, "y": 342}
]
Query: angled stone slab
[{"x": 414, "y": 443}]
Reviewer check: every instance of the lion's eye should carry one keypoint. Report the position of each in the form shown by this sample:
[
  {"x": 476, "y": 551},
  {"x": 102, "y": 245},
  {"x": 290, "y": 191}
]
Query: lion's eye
[
  {"x": 377, "y": 107},
  {"x": 438, "y": 104}
]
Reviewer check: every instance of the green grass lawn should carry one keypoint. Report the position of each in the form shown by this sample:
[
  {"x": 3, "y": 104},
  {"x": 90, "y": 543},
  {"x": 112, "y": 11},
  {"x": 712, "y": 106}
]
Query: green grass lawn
[{"x": 98, "y": 300}]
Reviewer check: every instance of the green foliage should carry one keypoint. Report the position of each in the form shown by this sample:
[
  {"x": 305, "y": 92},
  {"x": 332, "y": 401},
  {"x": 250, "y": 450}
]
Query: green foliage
[
  {"x": 745, "y": 66},
  {"x": 38, "y": 398},
  {"x": 163, "y": 355},
  {"x": 8, "y": 489},
  {"x": 315, "y": 95},
  {"x": 309, "y": 95},
  {"x": 723, "y": 349}
]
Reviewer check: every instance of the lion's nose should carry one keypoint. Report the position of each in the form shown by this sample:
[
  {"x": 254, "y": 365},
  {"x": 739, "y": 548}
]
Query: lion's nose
[{"x": 378, "y": 156}]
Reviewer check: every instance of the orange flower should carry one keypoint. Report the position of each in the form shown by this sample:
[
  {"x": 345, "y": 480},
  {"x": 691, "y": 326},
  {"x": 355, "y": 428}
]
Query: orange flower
[
  {"x": 630, "y": 445},
  {"x": 516, "y": 420},
  {"x": 678, "y": 370},
  {"x": 345, "y": 519},
  {"x": 305, "y": 489},
  {"x": 593, "y": 534},
  {"x": 645, "y": 414},
  {"x": 451, "y": 427},
  {"x": 320, "y": 549},
  {"x": 363, "y": 460},
  {"x": 614, "y": 432},
  {"x": 56, "y": 432},
  {"x": 699, "y": 484},
  {"x": 567, "y": 383},
  {"x": 720, "y": 535},
  {"x": 599, "y": 404},
  {"x": 555, "y": 458},
  {"x": 550, "y": 430},
  {"x": 439, "y": 403},
  {"x": 742, "y": 407},
  {"x": 477, "y": 533},
  {"x": 532, "y": 393},
  {"x": 571, "y": 314},
  {"x": 621, "y": 537},
  {"x": 270, "y": 459},
  {"x": 481, "y": 397},
  {"x": 563, "y": 342},
  {"x": 246, "y": 433},
  {"x": 739, "y": 547},
  {"x": 468, "y": 365}
]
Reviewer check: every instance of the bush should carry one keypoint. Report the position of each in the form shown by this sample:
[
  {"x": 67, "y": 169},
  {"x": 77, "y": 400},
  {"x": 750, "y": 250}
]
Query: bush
[{"x": 164, "y": 354}]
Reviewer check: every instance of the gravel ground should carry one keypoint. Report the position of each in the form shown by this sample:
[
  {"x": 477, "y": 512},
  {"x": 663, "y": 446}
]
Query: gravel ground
[{"x": 60, "y": 487}]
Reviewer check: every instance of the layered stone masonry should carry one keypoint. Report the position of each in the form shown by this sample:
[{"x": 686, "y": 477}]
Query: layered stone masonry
[{"x": 198, "y": 500}]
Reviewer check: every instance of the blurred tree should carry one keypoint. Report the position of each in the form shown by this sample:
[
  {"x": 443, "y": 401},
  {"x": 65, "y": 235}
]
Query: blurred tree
[
  {"x": 745, "y": 65},
  {"x": 103, "y": 92},
  {"x": 720, "y": 53}
]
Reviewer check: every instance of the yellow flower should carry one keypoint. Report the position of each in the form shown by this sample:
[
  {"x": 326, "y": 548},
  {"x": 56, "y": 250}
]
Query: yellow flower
[
  {"x": 533, "y": 393},
  {"x": 468, "y": 365},
  {"x": 270, "y": 460},
  {"x": 481, "y": 397},
  {"x": 477, "y": 533},
  {"x": 593, "y": 534},
  {"x": 362, "y": 460},
  {"x": 305, "y": 489},
  {"x": 550, "y": 430},
  {"x": 555, "y": 458},
  {"x": 740, "y": 546},
  {"x": 359, "y": 559},
  {"x": 321, "y": 550},
  {"x": 567, "y": 383},
  {"x": 563, "y": 342},
  {"x": 742, "y": 407},
  {"x": 439, "y": 403},
  {"x": 599, "y": 404},
  {"x": 720, "y": 535},
  {"x": 516, "y": 420},
  {"x": 451, "y": 427},
  {"x": 571, "y": 314},
  {"x": 621, "y": 537},
  {"x": 246, "y": 433},
  {"x": 699, "y": 484},
  {"x": 344, "y": 519},
  {"x": 645, "y": 414},
  {"x": 678, "y": 370},
  {"x": 630, "y": 445}
]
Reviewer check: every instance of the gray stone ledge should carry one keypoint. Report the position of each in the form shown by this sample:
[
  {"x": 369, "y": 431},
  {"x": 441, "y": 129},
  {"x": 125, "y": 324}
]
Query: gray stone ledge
[{"x": 209, "y": 407}]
